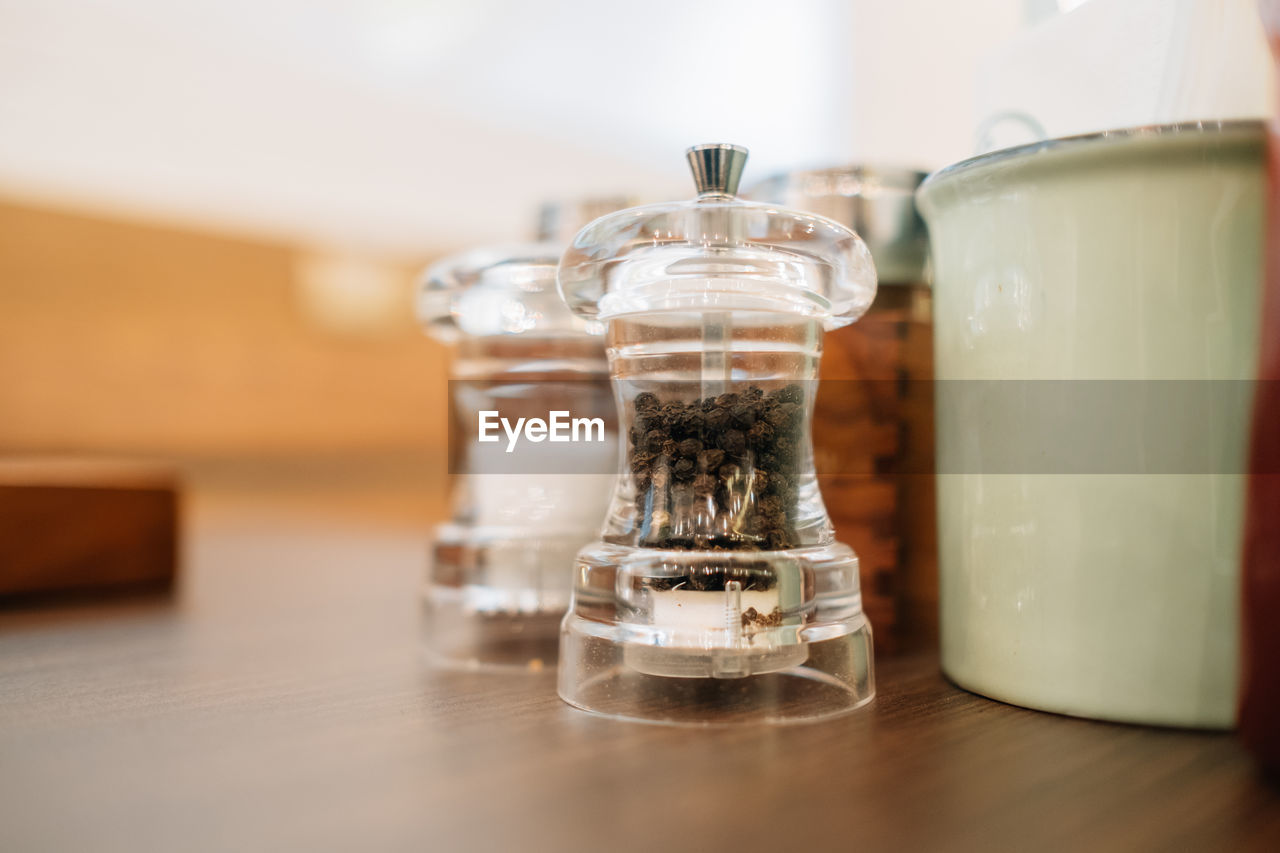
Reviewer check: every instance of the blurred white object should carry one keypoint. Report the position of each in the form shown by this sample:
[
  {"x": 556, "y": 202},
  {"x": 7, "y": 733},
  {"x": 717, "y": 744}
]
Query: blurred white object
[
  {"x": 912, "y": 65},
  {"x": 1109, "y": 64}
]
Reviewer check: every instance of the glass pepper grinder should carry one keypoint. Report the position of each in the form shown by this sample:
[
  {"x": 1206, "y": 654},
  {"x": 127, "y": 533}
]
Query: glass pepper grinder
[
  {"x": 498, "y": 581},
  {"x": 717, "y": 592}
]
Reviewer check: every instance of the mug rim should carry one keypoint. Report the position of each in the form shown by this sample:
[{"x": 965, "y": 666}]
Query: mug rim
[{"x": 1186, "y": 130}]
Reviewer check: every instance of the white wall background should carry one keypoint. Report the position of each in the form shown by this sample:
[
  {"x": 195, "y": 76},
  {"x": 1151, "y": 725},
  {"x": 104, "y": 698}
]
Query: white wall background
[{"x": 415, "y": 125}]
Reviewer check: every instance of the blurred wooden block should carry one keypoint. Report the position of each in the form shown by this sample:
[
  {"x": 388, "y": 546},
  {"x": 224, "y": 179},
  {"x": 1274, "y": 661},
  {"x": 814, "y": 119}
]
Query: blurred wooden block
[
  {"x": 85, "y": 526},
  {"x": 873, "y": 447}
]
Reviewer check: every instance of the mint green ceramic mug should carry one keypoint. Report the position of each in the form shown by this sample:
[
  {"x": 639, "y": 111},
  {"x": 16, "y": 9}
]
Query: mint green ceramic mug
[{"x": 1096, "y": 302}]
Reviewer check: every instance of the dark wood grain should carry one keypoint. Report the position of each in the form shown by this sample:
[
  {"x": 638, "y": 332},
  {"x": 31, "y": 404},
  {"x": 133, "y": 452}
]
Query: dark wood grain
[{"x": 281, "y": 701}]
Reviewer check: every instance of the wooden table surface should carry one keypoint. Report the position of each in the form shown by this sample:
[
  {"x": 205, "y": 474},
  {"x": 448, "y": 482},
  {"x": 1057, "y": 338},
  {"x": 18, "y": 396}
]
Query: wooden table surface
[{"x": 280, "y": 700}]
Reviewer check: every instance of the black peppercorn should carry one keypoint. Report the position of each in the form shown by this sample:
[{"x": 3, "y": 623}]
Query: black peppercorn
[
  {"x": 760, "y": 434},
  {"x": 710, "y": 460},
  {"x": 779, "y": 539},
  {"x": 789, "y": 394},
  {"x": 743, "y": 416},
  {"x": 727, "y": 401},
  {"x": 735, "y": 455},
  {"x": 770, "y": 505},
  {"x": 733, "y": 441}
]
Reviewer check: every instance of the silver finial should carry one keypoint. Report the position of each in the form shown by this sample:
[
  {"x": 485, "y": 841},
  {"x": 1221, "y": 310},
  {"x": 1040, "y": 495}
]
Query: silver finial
[{"x": 717, "y": 168}]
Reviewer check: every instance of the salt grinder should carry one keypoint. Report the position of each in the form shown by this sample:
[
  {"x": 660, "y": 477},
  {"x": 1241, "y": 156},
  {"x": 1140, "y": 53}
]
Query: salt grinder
[{"x": 498, "y": 582}]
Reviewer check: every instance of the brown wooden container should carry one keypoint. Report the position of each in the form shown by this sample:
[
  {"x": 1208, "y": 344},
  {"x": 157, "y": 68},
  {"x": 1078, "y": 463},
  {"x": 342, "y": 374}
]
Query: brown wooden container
[
  {"x": 873, "y": 421},
  {"x": 873, "y": 448}
]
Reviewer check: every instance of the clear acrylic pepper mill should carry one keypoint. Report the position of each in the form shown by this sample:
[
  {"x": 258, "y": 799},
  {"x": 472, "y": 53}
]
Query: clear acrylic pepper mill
[
  {"x": 498, "y": 581},
  {"x": 717, "y": 592}
]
